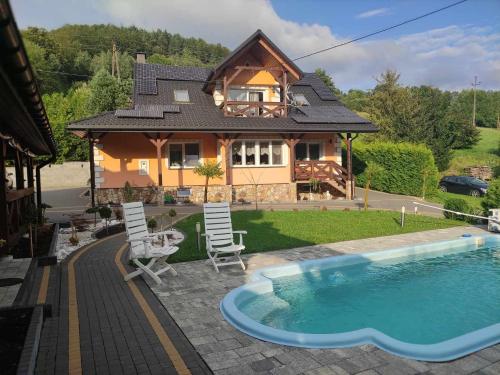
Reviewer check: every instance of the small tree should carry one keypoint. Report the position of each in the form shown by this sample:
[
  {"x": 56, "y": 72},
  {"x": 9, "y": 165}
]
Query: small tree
[
  {"x": 492, "y": 196},
  {"x": 152, "y": 224},
  {"x": 209, "y": 169},
  {"x": 371, "y": 170},
  {"x": 172, "y": 213},
  {"x": 93, "y": 210},
  {"x": 128, "y": 192},
  {"x": 105, "y": 213}
]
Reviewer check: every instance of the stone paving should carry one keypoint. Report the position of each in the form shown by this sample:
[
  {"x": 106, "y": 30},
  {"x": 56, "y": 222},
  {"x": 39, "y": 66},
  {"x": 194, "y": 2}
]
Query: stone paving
[
  {"x": 192, "y": 299},
  {"x": 12, "y": 268}
]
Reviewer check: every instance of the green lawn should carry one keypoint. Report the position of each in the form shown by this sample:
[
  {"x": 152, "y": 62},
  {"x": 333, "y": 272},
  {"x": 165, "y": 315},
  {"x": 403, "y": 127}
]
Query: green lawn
[
  {"x": 483, "y": 153},
  {"x": 273, "y": 230},
  {"x": 440, "y": 197}
]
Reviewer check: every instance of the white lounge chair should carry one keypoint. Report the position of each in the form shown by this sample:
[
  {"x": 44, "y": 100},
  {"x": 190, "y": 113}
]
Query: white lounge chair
[
  {"x": 221, "y": 249},
  {"x": 141, "y": 244}
]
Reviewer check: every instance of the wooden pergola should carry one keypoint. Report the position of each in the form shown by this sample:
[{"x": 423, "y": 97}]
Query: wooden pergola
[{"x": 25, "y": 133}]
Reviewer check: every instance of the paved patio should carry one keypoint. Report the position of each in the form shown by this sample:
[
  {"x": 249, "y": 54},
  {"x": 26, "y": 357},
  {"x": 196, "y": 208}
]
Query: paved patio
[
  {"x": 12, "y": 268},
  {"x": 193, "y": 297}
]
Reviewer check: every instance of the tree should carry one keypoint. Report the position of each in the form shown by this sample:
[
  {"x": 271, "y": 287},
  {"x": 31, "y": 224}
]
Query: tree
[
  {"x": 108, "y": 93},
  {"x": 209, "y": 169},
  {"x": 371, "y": 170},
  {"x": 328, "y": 80},
  {"x": 492, "y": 196}
]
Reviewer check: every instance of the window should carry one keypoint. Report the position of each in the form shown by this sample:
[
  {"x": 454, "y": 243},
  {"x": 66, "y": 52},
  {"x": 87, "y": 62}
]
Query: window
[
  {"x": 183, "y": 155},
  {"x": 308, "y": 151},
  {"x": 143, "y": 167},
  {"x": 181, "y": 95},
  {"x": 300, "y": 100},
  {"x": 257, "y": 153},
  {"x": 244, "y": 95}
]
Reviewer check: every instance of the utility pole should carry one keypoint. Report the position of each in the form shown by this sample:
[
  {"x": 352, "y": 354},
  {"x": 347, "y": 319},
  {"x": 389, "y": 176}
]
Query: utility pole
[
  {"x": 115, "y": 62},
  {"x": 474, "y": 85},
  {"x": 113, "y": 53}
]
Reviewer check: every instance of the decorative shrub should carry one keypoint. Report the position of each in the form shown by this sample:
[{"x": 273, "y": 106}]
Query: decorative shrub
[
  {"x": 459, "y": 205},
  {"x": 492, "y": 196},
  {"x": 168, "y": 198},
  {"x": 407, "y": 168},
  {"x": 152, "y": 224},
  {"x": 118, "y": 214},
  {"x": 128, "y": 192}
]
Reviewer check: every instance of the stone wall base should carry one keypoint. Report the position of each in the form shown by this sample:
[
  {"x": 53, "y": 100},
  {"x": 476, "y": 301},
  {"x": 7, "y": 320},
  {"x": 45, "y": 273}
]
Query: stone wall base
[{"x": 266, "y": 193}]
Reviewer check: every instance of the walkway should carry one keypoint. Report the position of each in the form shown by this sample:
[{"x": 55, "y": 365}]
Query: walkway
[
  {"x": 195, "y": 307},
  {"x": 103, "y": 325}
]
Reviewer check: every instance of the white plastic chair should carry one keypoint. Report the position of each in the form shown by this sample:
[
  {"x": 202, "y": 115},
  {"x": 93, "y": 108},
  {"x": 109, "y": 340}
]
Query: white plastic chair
[
  {"x": 221, "y": 249},
  {"x": 141, "y": 244}
]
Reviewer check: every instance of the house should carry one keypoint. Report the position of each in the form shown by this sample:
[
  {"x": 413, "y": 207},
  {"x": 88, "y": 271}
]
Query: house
[
  {"x": 267, "y": 123},
  {"x": 25, "y": 134}
]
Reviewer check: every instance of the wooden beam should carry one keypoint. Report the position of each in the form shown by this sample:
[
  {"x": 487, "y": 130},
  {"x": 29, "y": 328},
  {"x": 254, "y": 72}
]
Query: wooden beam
[
  {"x": 92, "y": 168},
  {"x": 227, "y": 141},
  {"x": 225, "y": 94},
  {"x": 280, "y": 60},
  {"x": 349, "y": 185},
  {"x": 18, "y": 165},
  {"x": 159, "y": 142},
  {"x": 292, "y": 141},
  {"x": 285, "y": 100},
  {"x": 233, "y": 76},
  {"x": 4, "y": 230}
]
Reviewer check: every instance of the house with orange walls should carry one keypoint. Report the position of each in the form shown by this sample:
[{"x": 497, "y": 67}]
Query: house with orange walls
[{"x": 276, "y": 131}]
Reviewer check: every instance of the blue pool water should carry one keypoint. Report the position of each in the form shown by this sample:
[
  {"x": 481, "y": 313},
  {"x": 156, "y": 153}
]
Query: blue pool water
[{"x": 419, "y": 297}]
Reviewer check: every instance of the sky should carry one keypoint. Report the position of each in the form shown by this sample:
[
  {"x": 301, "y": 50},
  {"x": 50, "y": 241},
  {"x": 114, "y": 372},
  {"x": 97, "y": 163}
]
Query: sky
[{"x": 445, "y": 50}]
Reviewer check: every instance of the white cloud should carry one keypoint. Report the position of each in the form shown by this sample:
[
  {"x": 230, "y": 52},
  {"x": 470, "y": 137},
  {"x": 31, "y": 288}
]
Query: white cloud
[
  {"x": 373, "y": 13},
  {"x": 446, "y": 57}
]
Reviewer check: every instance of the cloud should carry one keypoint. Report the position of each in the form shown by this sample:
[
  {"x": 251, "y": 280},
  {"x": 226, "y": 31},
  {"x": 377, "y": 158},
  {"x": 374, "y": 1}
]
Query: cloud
[
  {"x": 445, "y": 57},
  {"x": 373, "y": 13}
]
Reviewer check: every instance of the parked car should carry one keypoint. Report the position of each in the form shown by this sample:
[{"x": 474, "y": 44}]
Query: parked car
[{"x": 463, "y": 185}]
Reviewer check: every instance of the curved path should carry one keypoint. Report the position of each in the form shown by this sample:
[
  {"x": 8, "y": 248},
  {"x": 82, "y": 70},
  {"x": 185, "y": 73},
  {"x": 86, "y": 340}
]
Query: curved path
[{"x": 103, "y": 325}]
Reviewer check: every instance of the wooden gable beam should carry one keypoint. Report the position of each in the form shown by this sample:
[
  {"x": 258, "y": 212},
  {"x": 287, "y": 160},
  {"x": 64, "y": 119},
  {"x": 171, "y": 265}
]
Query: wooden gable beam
[{"x": 280, "y": 60}]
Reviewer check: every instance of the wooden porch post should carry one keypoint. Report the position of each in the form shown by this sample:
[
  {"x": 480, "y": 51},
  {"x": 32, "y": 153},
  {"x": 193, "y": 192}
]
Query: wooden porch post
[
  {"x": 285, "y": 93},
  {"x": 159, "y": 142},
  {"x": 29, "y": 170},
  {"x": 349, "y": 184},
  {"x": 92, "y": 169},
  {"x": 227, "y": 142},
  {"x": 4, "y": 230},
  {"x": 292, "y": 141},
  {"x": 18, "y": 164}
]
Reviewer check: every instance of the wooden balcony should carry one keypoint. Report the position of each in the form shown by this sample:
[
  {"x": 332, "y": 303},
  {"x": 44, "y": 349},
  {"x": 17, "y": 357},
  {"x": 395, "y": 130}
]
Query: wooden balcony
[
  {"x": 255, "y": 109},
  {"x": 322, "y": 170}
]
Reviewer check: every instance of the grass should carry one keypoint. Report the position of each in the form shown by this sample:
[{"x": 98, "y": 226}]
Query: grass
[
  {"x": 441, "y": 196},
  {"x": 485, "y": 152},
  {"x": 274, "y": 230}
]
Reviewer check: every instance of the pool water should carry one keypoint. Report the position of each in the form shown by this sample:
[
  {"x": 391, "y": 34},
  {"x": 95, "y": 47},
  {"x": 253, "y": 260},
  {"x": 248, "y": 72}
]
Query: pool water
[
  {"x": 435, "y": 302},
  {"x": 422, "y": 301}
]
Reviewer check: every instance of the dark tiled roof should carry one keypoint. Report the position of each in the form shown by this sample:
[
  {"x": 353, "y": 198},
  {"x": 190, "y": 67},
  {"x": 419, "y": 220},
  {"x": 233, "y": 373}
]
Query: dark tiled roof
[
  {"x": 147, "y": 111},
  {"x": 154, "y": 89}
]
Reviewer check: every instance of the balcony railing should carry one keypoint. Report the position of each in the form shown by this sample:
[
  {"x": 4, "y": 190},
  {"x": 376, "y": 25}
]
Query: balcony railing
[
  {"x": 255, "y": 109},
  {"x": 18, "y": 206},
  {"x": 322, "y": 170}
]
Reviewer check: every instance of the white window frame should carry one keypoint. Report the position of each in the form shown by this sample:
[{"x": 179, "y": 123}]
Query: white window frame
[
  {"x": 257, "y": 154},
  {"x": 183, "y": 143},
  {"x": 321, "y": 148},
  {"x": 182, "y": 101},
  {"x": 142, "y": 171},
  {"x": 247, "y": 92}
]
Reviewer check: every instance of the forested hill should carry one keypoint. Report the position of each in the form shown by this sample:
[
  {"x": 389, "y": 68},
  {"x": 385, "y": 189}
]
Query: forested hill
[{"x": 76, "y": 52}]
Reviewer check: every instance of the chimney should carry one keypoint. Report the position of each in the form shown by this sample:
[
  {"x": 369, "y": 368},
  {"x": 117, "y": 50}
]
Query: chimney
[{"x": 141, "y": 57}]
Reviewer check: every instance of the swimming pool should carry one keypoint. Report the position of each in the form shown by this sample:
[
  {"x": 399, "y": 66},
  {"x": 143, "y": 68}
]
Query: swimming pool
[{"x": 433, "y": 302}]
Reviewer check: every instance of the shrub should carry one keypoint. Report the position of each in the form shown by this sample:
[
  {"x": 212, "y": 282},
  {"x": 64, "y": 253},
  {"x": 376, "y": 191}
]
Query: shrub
[
  {"x": 459, "y": 205},
  {"x": 492, "y": 196},
  {"x": 406, "y": 168},
  {"x": 128, "y": 192},
  {"x": 152, "y": 224},
  {"x": 118, "y": 214}
]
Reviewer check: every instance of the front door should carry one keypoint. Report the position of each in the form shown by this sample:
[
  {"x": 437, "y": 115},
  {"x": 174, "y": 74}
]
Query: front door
[{"x": 307, "y": 151}]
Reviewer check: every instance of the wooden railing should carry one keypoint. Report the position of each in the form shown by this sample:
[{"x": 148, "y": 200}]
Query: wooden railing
[
  {"x": 255, "y": 109},
  {"x": 322, "y": 170},
  {"x": 18, "y": 206}
]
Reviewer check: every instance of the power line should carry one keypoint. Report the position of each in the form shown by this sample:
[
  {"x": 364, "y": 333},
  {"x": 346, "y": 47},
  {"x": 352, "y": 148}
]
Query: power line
[{"x": 380, "y": 31}]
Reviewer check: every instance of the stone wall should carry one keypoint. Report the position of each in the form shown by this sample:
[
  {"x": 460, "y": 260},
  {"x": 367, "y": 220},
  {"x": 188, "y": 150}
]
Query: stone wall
[
  {"x": 265, "y": 193},
  {"x": 216, "y": 193}
]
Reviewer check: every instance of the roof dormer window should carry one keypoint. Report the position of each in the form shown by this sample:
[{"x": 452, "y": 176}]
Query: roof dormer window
[
  {"x": 300, "y": 100},
  {"x": 181, "y": 96}
]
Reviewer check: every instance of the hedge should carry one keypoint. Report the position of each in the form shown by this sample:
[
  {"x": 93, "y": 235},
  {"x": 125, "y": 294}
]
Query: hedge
[{"x": 405, "y": 167}]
